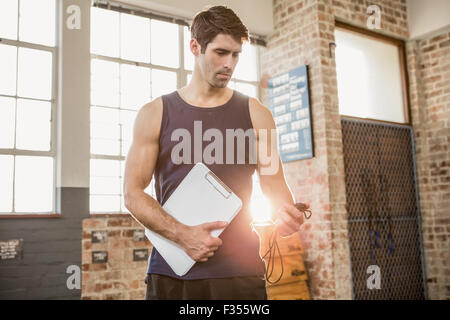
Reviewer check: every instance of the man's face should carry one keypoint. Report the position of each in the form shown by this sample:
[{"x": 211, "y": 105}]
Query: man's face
[{"x": 219, "y": 60}]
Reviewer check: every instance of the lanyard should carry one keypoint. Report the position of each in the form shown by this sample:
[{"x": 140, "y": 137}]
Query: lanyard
[{"x": 273, "y": 247}]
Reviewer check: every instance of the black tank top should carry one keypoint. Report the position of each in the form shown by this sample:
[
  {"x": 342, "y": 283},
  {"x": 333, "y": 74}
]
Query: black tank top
[{"x": 239, "y": 253}]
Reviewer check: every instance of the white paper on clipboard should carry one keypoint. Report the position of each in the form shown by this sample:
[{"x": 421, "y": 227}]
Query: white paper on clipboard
[{"x": 201, "y": 197}]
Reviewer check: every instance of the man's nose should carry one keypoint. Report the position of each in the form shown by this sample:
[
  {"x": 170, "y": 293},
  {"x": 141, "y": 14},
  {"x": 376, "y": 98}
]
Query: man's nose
[{"x": 228, "y": 63}]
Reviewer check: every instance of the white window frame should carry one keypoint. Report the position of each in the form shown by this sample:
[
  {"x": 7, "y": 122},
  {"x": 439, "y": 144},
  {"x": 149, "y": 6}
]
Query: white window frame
[{"x": 53, "y": 118}]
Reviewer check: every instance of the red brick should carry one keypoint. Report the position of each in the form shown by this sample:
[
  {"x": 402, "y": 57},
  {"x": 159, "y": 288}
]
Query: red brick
[{"x": 119, "y": 222}]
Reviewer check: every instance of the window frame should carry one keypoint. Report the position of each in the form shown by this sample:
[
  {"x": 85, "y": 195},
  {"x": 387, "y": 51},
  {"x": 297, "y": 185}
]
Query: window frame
[
  {"x": 180, "y": 73},
  {"x": 53, "y": 119},
  {"x": 400, "y": 44}
]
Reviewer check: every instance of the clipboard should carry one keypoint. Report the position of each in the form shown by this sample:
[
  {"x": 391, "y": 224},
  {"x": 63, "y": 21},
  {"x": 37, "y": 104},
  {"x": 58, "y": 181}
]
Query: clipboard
[{"x": 200, "y": 197}]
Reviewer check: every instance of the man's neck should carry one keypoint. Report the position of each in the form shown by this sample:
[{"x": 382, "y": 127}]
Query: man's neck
[{"x": 200, "y": 93}]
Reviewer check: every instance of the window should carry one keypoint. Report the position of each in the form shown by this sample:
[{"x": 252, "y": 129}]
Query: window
[
  {"x": 370, "y": 77},
  {"x": 127, "y": 72},
  {"x": 27, "y": 101}
]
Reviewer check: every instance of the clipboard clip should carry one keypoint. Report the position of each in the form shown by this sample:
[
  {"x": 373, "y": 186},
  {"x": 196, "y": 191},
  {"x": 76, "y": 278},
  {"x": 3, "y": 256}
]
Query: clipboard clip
[{"x": 218, "y": 184}]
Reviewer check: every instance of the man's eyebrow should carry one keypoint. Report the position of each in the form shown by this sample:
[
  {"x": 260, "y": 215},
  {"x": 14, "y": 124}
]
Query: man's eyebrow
[{"x": 226, "y": 50}]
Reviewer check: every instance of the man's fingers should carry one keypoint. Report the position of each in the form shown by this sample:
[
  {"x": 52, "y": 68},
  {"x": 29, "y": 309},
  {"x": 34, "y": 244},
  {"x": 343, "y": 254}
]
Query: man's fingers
[
  {"x": 288, "y": 220},
  {"x": 215, "y": 225},
  {"x": 216, "y": 242},
  {"x": 285, "y": 230},
  {"x": 293, "y": 211},
  {"x": 206, "y": 256},
  {"x": 289, "y": 224}
]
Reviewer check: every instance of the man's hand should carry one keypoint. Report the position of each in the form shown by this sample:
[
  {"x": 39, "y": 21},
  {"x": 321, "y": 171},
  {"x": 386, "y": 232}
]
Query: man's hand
[
  {"x": 289, "y": 219},
  {"x": 198, "y": 242}
]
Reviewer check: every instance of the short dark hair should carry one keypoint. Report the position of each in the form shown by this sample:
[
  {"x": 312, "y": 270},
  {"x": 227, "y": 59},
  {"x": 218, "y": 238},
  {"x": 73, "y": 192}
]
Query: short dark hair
[{"x": 207, "y": 24}]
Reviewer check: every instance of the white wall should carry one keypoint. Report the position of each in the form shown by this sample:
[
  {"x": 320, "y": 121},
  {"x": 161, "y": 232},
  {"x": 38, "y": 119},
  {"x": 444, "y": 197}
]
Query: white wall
[
  {"x": 73, "y": 149},
  {"x": 257, "y": 15},
  {"x": 426, "y": 17}
]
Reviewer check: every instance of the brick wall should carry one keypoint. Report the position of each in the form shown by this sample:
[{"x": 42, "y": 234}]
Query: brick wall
[
  {"x": 120, "y": 278},
  {"x": 303, "y": 30},
  {"x": 429, "y": 75}
]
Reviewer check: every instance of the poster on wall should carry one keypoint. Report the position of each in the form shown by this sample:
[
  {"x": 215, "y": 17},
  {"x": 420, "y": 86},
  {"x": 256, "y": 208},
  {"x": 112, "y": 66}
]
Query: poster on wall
[{"x": 289, "y": 104}]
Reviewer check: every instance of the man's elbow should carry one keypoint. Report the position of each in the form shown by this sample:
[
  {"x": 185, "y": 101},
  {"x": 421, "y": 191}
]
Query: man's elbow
[{"x": 129, "y": 196}]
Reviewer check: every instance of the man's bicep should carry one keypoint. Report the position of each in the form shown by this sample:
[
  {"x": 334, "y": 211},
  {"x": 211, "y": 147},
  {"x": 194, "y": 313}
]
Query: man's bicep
[
  {"x": 143, "y": 154},
  {"x": 268, "y": 162},
  {"x": 139, "y": 166}
]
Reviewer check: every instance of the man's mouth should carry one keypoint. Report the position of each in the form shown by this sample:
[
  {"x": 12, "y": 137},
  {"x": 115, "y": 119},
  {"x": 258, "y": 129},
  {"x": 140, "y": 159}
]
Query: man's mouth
[{"x": 224, "y": 75}]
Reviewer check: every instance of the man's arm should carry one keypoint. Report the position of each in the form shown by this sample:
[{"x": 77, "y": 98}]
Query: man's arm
[
  {"x": 139, "y": 167},
  {"x": 270, "y": 171}
]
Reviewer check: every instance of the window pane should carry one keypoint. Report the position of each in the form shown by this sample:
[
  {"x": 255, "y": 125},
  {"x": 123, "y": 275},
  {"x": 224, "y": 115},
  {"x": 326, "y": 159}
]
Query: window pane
[
  {"x": 7, "y": 122},
  {"x": 150, "y": 190},
  {"x": 8, "y": 59},
  {"x": 188, "y": 55},
  {"x": 247, "y": 67},
  {"x": 122, "y": 168},
  {"x": 124, "y": 209},
  {"x": 33, "y": 125},
  {"x": 105, "y": 131},
  {"x": 135, "y": 38},
  {"x": 126, "y": 144},
  {"x": 8, "y": 19},
  {"x": 368, "y": 77},
  {"x": 163, "y": 82},
  {"x": 164, "y": 39},
  {"x": 104, "y": 115},
  {"x": 248, "y": 89},
  {"x": 134, "y": 86},
  {"x": 33, "y": 184},
  {"x": 105, "y": 146},
  {"x": 127, "y": 121},
  {"x": 105, "y": 168},
  {"x": 104, "y": 203},
  {"x": 6, "y": 182},
  {"x": 37, "y": 21},
  {"x": 104, "y": 32},
  {"x": 105, "y": 83},
  {"x": 35, "y": 74},
  {"x": 105, "y": 185}
]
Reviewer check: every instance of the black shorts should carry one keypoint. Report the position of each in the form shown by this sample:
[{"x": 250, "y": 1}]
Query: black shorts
[{"x": 160, "y": 287}]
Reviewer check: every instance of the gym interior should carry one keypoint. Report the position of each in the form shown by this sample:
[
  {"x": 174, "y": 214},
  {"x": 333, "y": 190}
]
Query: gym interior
[{"x": 367, "y": 150}]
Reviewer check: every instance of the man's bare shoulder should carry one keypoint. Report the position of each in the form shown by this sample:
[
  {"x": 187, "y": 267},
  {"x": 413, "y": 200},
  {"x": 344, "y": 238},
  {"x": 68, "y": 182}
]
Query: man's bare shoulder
[
  {"x": 260, "y": 114},
  {"x": 151, "y": 109},
  {"x": 148, "y": 119}
]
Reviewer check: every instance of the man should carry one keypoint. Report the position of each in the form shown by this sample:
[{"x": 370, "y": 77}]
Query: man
[{"x": 228, "y": 267}]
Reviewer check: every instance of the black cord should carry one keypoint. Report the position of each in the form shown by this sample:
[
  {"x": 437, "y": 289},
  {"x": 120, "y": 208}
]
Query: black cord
[{"x": 273, "y": 247}]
